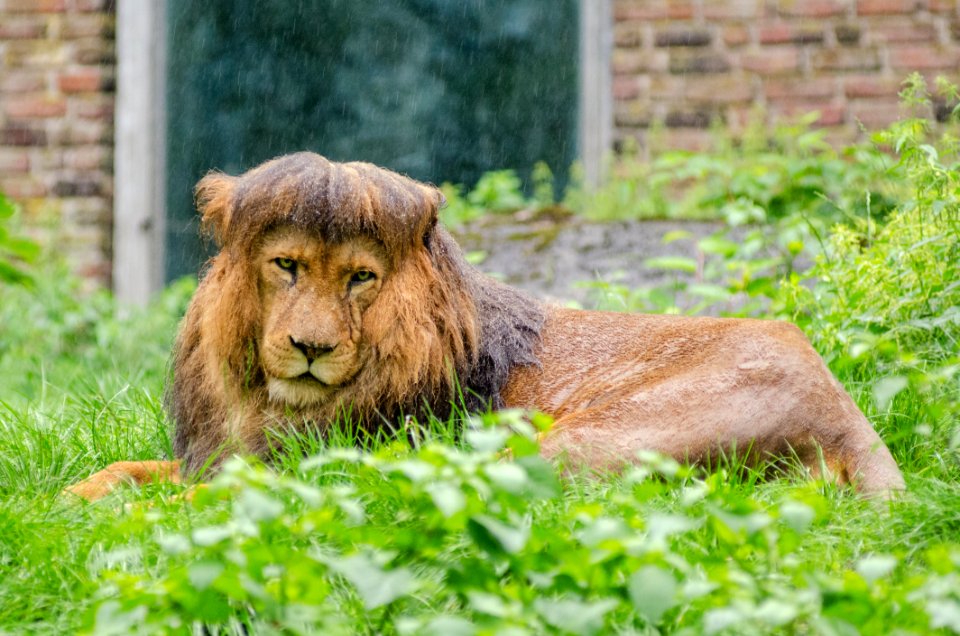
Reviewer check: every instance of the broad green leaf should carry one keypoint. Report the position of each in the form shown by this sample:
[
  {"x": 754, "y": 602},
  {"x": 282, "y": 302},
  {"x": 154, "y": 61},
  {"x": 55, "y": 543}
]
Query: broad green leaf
[
  {"x": 487, "y": 439},
  {"x": 678, "y": 263},
  {"x": 574, "y": 616},
  {"x": 719, "y": 619},
  {"x": 944, "y": 613},
  {"x": 885, "y": 389},
  {"x": 489, "y": 604},
  {"x": 258, "y": 506},
  {"x": 415, "y": 470},
  {"x": 717, "y": 245},
  {"x": 653, "y": 591},
  {"x": 876, "y": 567},
  {"x": 490, "y": 532},
  {"x": 448, "y": 626},
  {"x": 797, "y": 515},
  {"x": 775, "y": 612},
  {"x": 508, "y": 476},
  {"x": 376, "y": 586},
  {"x": 448, "y": 499},
  {"x": 111, "y": 619},
  {"x": 211, "y": 535},
  {"x": 675, "y": 235},
  {"x": 203, "y": 573}
]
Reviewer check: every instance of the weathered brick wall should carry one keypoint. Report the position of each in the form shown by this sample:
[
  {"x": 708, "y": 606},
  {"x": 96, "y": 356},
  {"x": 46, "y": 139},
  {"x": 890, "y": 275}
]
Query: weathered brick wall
[
  {"x": 681, "y": 64},
  {"x": 56, "y": 123}
]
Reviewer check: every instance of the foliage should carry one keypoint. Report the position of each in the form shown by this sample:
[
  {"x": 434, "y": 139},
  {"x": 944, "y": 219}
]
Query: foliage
[
  {"x": 466, "y": 530},
  {"x": 14, "y": 250},
  {"x": 760, "y": 176},
  {"x": 441, "y": 540}
]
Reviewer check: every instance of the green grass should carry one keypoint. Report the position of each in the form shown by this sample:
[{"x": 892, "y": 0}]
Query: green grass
[{"x": 445, "y": 536}]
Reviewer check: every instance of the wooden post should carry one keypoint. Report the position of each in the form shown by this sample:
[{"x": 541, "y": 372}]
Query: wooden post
[
  {"x": 596, "y": 88},
  {"x": 140, "y": 152}
]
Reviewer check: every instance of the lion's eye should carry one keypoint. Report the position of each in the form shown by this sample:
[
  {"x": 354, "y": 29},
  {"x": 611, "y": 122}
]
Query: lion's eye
[
  {"x": 286, "y": 264},
  {"x": 362, "y": 277}
]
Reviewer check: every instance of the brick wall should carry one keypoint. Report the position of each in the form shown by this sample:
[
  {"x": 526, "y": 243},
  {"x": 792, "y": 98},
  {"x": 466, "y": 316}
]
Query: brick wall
[
  {"x": 56, "y": 123},
  {"x": 681, "y": 64}
]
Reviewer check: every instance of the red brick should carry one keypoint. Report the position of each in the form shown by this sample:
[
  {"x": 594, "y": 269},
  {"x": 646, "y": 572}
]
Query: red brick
[
  {"x": 730, "y": 9},
  {"x": 913, "y": 58},
  {"x": 869, "y": 86},
  {"x": 87, "y": 131},
  {"x": 783, "y": 33},
  {"x": 14, "y": 160},
  {"x": 628, "y": 34},
  {"x": 810, "y": 8},
  {"x": 94, "y": 51},
  {"x": 683, "y": 62},
  {"x": 831, "y": 113},
  {"x": 22, "y": 187},
  {"x": 943, "y": 6},
  {"x": 627, "y": 62},
  {"x": 667, "y": 87},
  {"x": 20, "y": 135},
  {"x": 847, "y": 34},
  {"x": 35, "y": 107},
  {"x": 743, "y": 117},
  {"x": 81, "y": 80},
  {"x": 771, "y": 61},
  {"x": 94, "y": 107},
  {"x": 93, "y": 25},
  {"x": 691, "y": 139},
  {"x": 726, "y": 89},
  {"x": 87, "y": 158},
  {"x": 800, "y": 88},
  {"x": 691, "y": 117},
  {"x": 78, "y": 186},
  {"x": 626, "y": 87},
  {"x": 29, "y": 81},
  {"x": 880, "y": 7},
  {"x": 846, "y": 59},
  {"x": 38, "y": 53},
  {"x": 876, "y": 114},
  {"x": 91, "y": 211},
  {"x": 22, "y": 27},
  {"x": 632, "y": 114},
  {"x": 902, "y": 30},
  {"x": 653, "y": 10},
  {"x": 93, "y": 5},
  {"x": 681, "y": 36},
  {"x": 35, "y": 6},
  {"x": 735, "y": 35}
]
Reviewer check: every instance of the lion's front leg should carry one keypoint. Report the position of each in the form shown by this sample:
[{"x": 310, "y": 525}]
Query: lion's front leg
[{"x": 102, "y": 483}]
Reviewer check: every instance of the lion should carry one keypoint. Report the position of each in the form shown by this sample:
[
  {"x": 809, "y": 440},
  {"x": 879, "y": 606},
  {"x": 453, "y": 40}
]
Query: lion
[{"x": 336, "y": 291}]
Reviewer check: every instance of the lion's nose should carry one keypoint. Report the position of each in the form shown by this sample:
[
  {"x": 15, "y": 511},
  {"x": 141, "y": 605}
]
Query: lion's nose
[{"x": 312, "y": 350}]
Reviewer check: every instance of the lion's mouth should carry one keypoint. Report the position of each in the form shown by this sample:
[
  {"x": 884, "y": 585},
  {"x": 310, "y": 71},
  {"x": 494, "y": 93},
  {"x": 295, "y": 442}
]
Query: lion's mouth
[{"x": 306, "y": 376}]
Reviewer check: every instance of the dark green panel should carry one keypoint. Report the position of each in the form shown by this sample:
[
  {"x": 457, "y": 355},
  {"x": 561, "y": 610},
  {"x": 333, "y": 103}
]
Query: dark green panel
[{"x": 442, "y": 90}]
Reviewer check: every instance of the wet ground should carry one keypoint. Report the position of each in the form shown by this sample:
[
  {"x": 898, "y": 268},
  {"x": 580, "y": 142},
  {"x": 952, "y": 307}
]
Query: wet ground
[{"x": 552, "y": 257}]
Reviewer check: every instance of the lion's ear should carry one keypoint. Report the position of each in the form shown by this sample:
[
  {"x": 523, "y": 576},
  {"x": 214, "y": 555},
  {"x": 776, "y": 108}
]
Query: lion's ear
[
  {"x": 436, "y": 201},
  {"x": 213, "y": 196}
]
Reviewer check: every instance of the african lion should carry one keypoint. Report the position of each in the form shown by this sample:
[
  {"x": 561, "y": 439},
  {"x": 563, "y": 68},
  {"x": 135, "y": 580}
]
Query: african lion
[{"x": 335, "y": 290}]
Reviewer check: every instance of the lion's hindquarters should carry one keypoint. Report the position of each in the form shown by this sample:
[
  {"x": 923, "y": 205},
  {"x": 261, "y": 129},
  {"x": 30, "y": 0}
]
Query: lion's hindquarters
[{"x": 754, "y": 386}]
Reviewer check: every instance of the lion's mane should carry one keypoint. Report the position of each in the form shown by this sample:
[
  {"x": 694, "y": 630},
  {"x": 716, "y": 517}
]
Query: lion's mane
[{"x": 442, "y": 332}]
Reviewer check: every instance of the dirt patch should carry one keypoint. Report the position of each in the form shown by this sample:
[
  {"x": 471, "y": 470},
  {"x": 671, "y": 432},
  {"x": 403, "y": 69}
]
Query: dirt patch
[{"x": 553, "y": 258}]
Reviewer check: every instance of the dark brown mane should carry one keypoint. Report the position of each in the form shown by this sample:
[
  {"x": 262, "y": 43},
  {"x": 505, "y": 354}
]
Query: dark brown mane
[{"x": 441, "y": 331}]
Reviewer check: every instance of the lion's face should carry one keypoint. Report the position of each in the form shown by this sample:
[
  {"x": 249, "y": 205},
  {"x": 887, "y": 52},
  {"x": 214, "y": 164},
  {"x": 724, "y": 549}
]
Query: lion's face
[{"x": 313, "y": 296}]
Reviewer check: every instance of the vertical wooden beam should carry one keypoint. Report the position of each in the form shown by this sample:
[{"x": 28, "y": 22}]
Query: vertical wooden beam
[
  {"x": 140, "y": 155},
  {"x": 596, "y": 87}
]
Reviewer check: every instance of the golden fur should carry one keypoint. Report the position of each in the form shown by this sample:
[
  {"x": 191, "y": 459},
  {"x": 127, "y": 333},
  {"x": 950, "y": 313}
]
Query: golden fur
[{"x": 335, "y": 291}]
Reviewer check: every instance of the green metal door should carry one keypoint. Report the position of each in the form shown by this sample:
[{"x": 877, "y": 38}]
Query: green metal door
[{"x": 441, "y": 90}]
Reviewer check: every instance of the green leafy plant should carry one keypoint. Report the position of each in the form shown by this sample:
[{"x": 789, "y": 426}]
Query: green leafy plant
[{"x": 14, "y": 250}]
